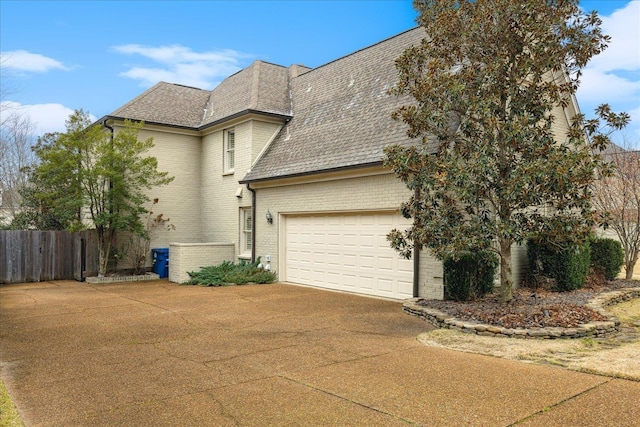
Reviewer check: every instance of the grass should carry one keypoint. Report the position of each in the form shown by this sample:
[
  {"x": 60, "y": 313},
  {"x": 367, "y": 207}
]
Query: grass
[
  {"x": 9, "y": 416},
  {"x": 230, "y": 273}
]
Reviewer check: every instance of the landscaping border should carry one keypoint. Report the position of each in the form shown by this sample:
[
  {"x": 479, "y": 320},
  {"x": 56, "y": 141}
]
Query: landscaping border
[
  {"x": 594, "y": 329},
  {"x": 117, "y": 279}
]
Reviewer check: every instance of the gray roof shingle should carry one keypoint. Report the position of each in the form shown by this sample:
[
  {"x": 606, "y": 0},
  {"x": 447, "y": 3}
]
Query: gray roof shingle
[
  {"x": 166, "y": 103},
  {"x": 341, "y": 114},
  {"x": 261, "y": 87}
]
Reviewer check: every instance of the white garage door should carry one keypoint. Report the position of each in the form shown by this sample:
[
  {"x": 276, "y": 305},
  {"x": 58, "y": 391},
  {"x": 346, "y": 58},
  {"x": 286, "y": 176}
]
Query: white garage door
[{"x": 347, "y": 253}]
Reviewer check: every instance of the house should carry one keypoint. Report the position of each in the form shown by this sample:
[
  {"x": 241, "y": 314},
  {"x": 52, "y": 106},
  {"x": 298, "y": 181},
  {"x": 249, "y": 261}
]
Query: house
[
  {"x": 285, "y": 164},
  {"x": 619, "y": 196}
]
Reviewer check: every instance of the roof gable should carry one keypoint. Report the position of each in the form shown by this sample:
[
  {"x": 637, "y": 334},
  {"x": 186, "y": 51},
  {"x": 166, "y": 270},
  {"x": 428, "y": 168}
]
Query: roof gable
[
  {"x": 260, "y": 87},
  {"x": 166, "y": 103},
  {"x": 342, "y": 114}
]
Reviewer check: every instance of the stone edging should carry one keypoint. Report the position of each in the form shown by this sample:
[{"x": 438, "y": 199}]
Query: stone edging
[
  {"x": 591, "y": 329},
  {"x": 116, "y": 279}
]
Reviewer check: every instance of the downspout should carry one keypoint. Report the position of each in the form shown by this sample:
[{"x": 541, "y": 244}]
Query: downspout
[
  {"x": 113, "y": 242},
  {"x": 253, "y": 225},
  {"x": 104, "y": 123},
  {"x": 416, "y": 259},
  {"x": 416, "y": 271}
]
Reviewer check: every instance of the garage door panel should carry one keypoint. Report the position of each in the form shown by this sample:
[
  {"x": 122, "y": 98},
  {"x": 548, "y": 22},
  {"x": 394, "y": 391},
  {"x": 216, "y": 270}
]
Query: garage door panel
[
  {"x": 347, "y": 252},
  {"x": 385, "y": 285},
  {"x": 349, "y": 260}
]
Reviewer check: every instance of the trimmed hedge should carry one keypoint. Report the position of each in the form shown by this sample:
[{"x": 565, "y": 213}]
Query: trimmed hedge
[
  {"x": 607, "y": 256},
  {"x": 469, "y": 275},
  {"x": 568, "y": 266}
]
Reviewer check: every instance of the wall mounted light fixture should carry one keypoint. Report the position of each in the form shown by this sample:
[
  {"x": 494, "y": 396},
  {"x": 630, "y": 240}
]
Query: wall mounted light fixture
[{"x": 269, "y": 217}]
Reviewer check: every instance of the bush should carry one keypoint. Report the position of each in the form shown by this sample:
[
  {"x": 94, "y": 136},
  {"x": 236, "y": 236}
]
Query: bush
[
  {"x": 607, "y": 257},
  {"x": 228, "y": 272},
  {"x": 469, "y": 275},
  {"x": 568, "y": 266}
]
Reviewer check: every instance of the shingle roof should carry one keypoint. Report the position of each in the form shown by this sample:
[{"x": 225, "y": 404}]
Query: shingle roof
[
  {"x": 261, "y": 87},
  {"x": 341, "y": 114},
  {"x": 166, "y": 103}
]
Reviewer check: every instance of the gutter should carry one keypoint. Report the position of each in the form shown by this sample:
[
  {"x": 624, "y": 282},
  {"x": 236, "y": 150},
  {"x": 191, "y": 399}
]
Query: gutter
[
  {"x": 201, "y": 128},
  {"x": 314, "y": 172},
  {"x": 253, "y": 221}
]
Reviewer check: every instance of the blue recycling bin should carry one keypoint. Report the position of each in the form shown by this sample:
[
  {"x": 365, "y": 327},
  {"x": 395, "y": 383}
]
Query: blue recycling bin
[{"x": 161, "y": 261}]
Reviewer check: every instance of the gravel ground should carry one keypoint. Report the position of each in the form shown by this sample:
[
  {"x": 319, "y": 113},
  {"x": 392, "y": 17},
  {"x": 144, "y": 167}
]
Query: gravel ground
[{"x": 532, "y": 307}]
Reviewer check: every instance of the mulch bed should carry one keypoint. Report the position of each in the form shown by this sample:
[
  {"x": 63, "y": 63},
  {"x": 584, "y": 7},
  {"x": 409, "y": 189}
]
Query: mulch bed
[{"x": 532, "y": 307}]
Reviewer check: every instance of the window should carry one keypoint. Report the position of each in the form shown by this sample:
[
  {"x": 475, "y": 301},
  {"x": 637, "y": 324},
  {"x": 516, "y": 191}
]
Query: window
[
  {"x": 246, "y": 231},
  {"x": 229, "y": 151}
]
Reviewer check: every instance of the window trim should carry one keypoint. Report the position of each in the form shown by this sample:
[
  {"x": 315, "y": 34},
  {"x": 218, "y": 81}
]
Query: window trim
[
  {"x": 246, "y": 235},
  {"x": 229, "y": 154}
]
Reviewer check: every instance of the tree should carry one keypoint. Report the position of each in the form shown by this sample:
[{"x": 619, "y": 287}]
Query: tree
[
  {"x": 487, "y": 79},
  {"x": 52, "y": 200},
  {"x": 17, "y": 135},
  {"x": 88, "y": 174},
  {"x": 617, "y": 197}
]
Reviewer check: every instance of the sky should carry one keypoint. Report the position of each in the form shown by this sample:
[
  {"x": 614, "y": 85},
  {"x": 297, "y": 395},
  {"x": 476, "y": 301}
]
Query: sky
[{"x": 58, "y": 56}]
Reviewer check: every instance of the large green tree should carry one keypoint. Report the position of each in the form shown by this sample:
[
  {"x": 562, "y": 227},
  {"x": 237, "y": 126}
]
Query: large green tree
[
  {"x": 488, "y": 79},
  {"x": 89, "y": 177}
]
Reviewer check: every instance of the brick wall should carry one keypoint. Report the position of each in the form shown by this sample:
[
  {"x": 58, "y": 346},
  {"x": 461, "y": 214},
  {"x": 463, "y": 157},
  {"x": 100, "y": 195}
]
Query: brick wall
[
  {"x": 178, "y": 154},
  {"x": 340, "y": 193},
  {"x": 220, "y": 209},
  {"x": 185, "y": 257}
]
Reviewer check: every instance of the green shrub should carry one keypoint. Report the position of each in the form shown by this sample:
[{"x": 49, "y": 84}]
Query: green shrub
[
  {"x": 568, "y": 266},
  {"x": 228, "y": 272},
  {"x": 607, "y": 256},
  {"x": 469, "y": 275}
]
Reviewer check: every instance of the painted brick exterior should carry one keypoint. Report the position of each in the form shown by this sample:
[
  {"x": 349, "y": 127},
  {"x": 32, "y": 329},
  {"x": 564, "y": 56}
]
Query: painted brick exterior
[
  {"x": 185, "y": 257},
  {"x": 377, "y": 192},
  {"x": 220, "y": 207},
  {"x": 201, "y": 200},
  {"x": 178, "y": 154}
]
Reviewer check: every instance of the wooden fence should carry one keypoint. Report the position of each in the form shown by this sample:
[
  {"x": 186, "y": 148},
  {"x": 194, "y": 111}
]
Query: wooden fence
[{"x": 35, "y": 256}]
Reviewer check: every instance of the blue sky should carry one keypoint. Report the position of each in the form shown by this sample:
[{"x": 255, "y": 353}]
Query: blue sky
[{"x": 97, "y": 55}]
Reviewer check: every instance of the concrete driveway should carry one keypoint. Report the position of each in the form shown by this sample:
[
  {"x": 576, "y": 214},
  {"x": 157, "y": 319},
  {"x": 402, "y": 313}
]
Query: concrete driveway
[{"x": 155, "y": 353}]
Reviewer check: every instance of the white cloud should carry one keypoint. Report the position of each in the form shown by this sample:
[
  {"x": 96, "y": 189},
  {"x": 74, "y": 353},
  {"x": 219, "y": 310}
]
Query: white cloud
[
  {"x": 179, "y": 64},
  {"x": 613, "y": 77},
  {"x": 623, "y": 52},
  {"x": 22, "y": 61},
  {"x": 599, "y": 86},
  {"x": 45, "y": 117}
]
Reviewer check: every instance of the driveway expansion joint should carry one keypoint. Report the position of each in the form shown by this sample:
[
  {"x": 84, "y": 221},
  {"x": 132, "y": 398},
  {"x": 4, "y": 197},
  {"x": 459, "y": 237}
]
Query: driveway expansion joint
[{"x": 561, "y": 402}]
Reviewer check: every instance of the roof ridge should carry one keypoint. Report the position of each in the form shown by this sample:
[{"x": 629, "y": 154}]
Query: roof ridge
[
  {"x": 360, "y": 50},
  {"x": 255, "y": 85},
  {"x": 142, "y": 95}
]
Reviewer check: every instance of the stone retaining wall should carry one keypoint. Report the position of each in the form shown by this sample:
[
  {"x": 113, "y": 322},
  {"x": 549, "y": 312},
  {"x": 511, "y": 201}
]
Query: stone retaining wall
[{"x": 591, "y": 329}]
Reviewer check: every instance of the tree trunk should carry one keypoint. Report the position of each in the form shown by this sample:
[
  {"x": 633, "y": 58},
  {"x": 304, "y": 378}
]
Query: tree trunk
[
  {"x": 630, "y": 266},
  {"x": 506, "y": 281},
  {"x": 103, "y": 259},
  {"x": 104, "y": 241}
]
